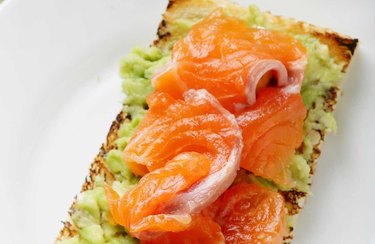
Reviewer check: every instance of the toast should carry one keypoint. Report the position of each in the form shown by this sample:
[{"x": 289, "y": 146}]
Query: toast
[{"x": 180, "y": 15}]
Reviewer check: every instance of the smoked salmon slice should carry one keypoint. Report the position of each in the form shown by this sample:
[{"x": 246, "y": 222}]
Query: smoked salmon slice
[
  {"x": 230, "y": 60},
  {"x": 198, "y": 123},
  {"x": 249, "y": 213},
  {"x": 272, "y": 129},
  {"x": 188, "y": 152},
  {"x": 202, "y": 230},
  {"x": 137, "y": 209}
]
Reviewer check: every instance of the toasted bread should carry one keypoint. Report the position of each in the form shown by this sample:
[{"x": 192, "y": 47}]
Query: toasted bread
[{"x": 341, "y": 49}]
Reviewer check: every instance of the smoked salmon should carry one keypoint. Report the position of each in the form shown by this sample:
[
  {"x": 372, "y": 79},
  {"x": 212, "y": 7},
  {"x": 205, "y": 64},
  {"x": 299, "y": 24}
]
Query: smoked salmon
[
  {"x": 176, "y": 138},
  {"x": 230, "y": 60},
  {"x": 272, "y": 129},
  {"x": 248, "y": 213},
  {"x": 213, "y": 111},
  {"x": 202, "y": 230},
  {"x": 138, "y": 208},
  {"x": 198, "y": 124}
]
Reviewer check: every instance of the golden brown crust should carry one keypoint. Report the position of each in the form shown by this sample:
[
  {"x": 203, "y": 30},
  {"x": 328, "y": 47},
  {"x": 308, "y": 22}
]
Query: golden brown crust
[{"x": 341, "y": 49}]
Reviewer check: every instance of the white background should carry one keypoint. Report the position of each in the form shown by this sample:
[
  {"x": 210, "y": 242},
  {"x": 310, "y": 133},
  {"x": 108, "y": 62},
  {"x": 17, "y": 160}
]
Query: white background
[{"x": 59, "y": 92}]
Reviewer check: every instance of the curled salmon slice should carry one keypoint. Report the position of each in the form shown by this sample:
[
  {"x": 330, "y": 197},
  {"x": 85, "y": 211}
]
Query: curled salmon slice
[
  {"x": 139, "y": 209},
  {"x": 249, "y": 213},
  {"x": 188, "y": 152},
  {"x": 272, "y": 129},
  {"x": 229, "y": 59},
  {"x": 225, "y": 157},
  {"x": 198, "y": 123}
]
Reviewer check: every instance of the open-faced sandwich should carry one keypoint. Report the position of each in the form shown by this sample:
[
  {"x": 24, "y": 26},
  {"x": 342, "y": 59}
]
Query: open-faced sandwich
[{"x": 220, "y": 131}]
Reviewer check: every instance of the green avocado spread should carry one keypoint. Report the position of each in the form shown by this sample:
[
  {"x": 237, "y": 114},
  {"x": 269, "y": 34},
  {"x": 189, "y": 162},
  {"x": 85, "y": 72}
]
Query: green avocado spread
[{"x": 90, "y": 215}]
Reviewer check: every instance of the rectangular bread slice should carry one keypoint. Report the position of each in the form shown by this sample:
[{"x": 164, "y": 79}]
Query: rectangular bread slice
[{"x": 180, "y": 15}]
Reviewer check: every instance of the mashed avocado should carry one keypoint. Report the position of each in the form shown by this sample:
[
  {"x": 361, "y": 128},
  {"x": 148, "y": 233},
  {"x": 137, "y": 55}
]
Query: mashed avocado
[{"x": 90, "y": 214}]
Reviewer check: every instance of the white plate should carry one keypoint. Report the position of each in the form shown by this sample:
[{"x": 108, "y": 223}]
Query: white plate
[{"x": 59, "y": 92}]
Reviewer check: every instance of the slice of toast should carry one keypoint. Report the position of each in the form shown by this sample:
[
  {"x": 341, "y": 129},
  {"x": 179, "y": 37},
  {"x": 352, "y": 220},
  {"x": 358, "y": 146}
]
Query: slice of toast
[{"x": 177, "y": 20}]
